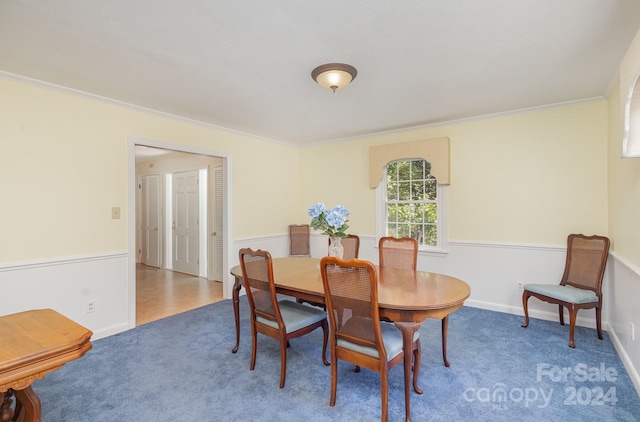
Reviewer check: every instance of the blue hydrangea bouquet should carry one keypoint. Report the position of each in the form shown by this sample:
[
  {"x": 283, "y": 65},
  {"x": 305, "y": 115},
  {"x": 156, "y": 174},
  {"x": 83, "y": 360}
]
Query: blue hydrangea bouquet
[{"x": 332, "y": 222}]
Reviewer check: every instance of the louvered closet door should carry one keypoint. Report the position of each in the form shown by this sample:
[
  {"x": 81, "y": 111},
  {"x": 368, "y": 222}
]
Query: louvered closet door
[{"x": 218, "y": 228}]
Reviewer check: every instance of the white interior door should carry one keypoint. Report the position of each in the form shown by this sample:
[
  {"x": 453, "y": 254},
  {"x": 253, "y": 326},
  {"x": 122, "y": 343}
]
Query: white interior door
[
  {"x": 185, "y": 224},
  {"x": 151, "y": 220}
]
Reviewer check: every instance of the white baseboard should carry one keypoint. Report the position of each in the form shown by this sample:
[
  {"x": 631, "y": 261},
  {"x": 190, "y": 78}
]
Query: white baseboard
[
  {"x": 109, "y": 331},
  {"x": 625, "y": 358}
]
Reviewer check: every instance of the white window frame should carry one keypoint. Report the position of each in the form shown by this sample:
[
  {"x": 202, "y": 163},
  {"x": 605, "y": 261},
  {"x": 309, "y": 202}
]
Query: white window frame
[
  {"x": 631, "y": 137},
  {"x": 441, "y": 201}
]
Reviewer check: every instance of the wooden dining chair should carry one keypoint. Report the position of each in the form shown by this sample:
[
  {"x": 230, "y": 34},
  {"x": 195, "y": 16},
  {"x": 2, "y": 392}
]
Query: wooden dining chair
[
  {"x": 398, "y": 252},
  {"x": 299, "y": 240},
  {"x": 281, "y": 320},
  {"x": 403, "y": 253},
  {"x": 581, "y": 283},
  {"x": 350, "y": 245},
  {"x": 356, "y": 334}
]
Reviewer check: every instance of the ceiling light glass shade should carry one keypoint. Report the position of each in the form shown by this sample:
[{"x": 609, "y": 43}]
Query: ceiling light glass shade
[{"x": 334, "y": 75}]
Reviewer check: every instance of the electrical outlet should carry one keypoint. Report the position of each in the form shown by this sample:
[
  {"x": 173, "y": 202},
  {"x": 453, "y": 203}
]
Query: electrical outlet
[
  {"x": 632, "y": 331},
  {"x": 520, "y": 286},
  {"x": 90, "y": 306}
]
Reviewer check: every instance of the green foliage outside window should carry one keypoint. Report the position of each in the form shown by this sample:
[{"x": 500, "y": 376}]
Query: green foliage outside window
[{"x": 411, "y": 202}]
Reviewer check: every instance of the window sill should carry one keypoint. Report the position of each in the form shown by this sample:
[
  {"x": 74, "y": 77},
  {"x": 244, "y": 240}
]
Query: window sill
[{"x": 433, "y": 251}]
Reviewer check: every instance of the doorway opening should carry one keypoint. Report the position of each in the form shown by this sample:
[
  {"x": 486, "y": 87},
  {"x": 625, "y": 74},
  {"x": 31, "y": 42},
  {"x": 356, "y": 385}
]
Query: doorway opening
[{"x": 178, "y": 241}]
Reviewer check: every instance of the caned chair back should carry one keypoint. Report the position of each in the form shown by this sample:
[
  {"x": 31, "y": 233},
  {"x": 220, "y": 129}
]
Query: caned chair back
[
  {"x": 280, "y": 320},
  {"x": 299, "y": 240},
  {"x": 351, "y": 297},
  {"x": 357, "y": 336},
  {"x": 350, "y": 245},
  {"x": 586, "y": 262},
  {"x": 398, "y": 252},
  {"x": 257, "y": 274}
]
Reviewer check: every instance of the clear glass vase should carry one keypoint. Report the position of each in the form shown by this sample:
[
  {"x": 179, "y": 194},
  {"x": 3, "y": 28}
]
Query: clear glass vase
[{"x": 335, "y": 247}]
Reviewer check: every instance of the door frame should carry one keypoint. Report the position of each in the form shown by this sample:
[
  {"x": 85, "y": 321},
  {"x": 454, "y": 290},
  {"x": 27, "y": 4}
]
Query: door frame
[{"x": 227, "y": 282}]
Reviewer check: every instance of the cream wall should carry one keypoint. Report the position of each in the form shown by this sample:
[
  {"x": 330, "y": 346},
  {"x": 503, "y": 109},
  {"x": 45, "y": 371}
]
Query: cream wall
[
  {"x": 523, "y": 178},
  {"x": 63, "y": 167},
  {"x": 624, "y": 192},
  {"x": 529, "y": 178},
  {"x": 623, "y": 290}
]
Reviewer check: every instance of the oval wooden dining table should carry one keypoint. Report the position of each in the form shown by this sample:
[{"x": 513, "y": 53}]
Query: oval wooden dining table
[{"x": 405, "y": 297}]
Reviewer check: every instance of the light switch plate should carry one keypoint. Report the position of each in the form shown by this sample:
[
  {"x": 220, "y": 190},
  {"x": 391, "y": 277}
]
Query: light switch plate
[{"x": 115, "y": 213}]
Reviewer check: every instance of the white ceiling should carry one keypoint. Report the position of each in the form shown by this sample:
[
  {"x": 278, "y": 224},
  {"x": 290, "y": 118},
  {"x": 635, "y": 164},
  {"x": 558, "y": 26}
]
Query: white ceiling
[{"x": 246, "y": 65}]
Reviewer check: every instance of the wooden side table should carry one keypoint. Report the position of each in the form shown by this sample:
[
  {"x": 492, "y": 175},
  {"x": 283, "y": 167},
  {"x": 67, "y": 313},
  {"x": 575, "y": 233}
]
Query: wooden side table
[{"x": 32, "y": 344}]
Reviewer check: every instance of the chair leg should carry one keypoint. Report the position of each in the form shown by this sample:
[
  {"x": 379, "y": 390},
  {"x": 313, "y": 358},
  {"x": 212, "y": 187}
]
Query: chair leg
[
  {"x": 334, "y": 380},
  {"x": 561, "y": 314},
  {"x": 573, "y": 311},
  {"x": 384, "y": 392},
  {"x": 254, "y": 348},
  {"x": 445, "y": 330},
  {"x": 325, "y": 339},
  {"x": 525, "y": 300},
  {"x": 599, "y": 322},
  {"x": 283, "y": 363},
  {"x": 417, "y": 357}
]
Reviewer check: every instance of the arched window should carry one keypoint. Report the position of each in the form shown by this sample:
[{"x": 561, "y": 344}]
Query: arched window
[
  {"x": 410, "y": 200},
  {"x": 410, "y": 180}
]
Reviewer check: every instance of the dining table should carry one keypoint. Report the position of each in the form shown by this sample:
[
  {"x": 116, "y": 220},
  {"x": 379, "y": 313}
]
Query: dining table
[{"x": 405, "y": 297}]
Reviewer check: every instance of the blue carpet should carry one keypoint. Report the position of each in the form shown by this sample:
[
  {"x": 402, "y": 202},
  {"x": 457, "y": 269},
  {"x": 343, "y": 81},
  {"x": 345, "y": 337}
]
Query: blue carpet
[{"x": 181, "y": 369}]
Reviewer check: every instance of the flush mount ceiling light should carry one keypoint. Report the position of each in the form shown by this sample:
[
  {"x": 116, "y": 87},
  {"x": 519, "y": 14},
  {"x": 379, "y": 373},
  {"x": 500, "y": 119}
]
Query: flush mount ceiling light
[{"x": 334, "y": 75}]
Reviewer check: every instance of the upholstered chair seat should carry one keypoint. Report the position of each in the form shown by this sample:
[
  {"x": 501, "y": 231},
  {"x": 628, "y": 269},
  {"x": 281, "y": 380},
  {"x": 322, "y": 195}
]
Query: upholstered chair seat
[{"x": 563, "y": 293}]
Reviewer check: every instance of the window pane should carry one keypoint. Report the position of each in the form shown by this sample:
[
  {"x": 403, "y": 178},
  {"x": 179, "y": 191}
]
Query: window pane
[
  {"x": 404, "y": 213},
  {"x": 430, "y": 213},
  {"x": 392, "y": 213},
  {"x": 430, "y": 188},
  {"x": 392, "y": 171},
  {"x": 404, "y": 170},
  {"x": 416, "y": 232},
  {"x": 403, "y": 230},
  {"x": 392, "y": 191},
  {"x": 417, "y": 190},
  {"x": 417, "y": 169},
  {"x": 418, "y": 215},
  {"x": 431, "y": 235},
  {"x": 404, "y": 191}
]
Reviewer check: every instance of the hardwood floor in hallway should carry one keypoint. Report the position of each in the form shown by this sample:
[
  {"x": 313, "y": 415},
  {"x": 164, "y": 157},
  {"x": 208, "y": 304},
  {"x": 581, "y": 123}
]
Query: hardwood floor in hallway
[{"x": 163, "y": 293}]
